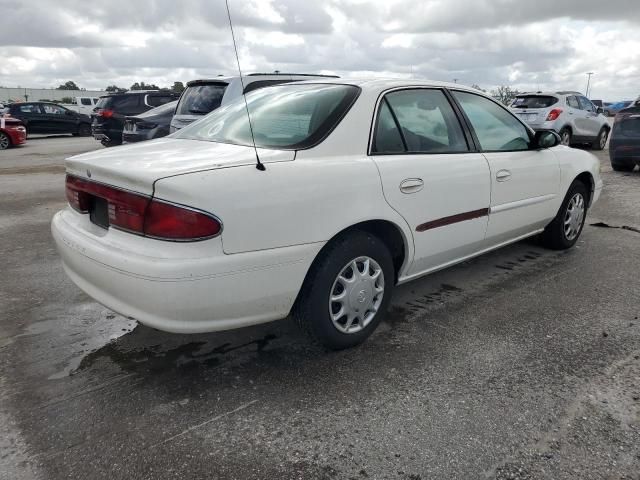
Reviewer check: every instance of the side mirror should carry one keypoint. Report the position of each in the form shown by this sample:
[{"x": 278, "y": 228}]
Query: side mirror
[
  {"x": 599, "y": 110},
  {"x": 546, "y": 139}
]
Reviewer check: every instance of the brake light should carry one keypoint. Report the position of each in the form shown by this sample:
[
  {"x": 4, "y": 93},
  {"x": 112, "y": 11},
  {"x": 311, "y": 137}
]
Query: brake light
[
  {"x": 104, "y": 113},
  {"x": 141, "y": 214},
  {"x": 554, "y": 114}
]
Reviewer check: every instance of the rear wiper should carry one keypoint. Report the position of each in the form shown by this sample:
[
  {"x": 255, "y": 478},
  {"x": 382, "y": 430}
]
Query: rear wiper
[{"x": 198, "y": 112}]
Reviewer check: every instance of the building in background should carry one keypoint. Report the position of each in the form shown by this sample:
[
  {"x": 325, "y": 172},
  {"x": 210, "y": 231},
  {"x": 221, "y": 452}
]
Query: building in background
[{"x": 36, "y": 94}]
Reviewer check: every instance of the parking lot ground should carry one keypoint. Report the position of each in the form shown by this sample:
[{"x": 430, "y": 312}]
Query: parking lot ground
[{"x": 520, "y": 364}]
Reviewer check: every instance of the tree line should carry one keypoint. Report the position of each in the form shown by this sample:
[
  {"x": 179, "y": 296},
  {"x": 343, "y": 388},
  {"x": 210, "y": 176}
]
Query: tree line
[{"x": 176, "y": 87}]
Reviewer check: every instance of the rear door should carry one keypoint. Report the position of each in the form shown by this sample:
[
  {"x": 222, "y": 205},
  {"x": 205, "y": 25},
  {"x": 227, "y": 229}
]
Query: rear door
[
  {"x": 59, "y": 119},
  {"x": 431, "y": 174},
  {"x": 524, "y": 181},
  {"x": 575, "y": 115},
  {"x": 31, "y": 115}
]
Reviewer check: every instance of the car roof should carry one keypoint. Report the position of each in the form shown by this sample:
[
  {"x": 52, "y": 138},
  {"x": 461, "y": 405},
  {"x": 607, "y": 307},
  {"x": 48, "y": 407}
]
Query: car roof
[
  {"x": 254, "y": 77},
  {"x": 382, "y": 84}
]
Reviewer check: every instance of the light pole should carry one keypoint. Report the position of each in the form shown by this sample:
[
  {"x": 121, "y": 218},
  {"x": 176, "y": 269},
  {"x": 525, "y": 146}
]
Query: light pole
[{"x": 588, "y": 83}]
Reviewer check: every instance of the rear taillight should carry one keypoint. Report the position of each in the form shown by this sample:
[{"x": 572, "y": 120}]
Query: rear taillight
[
  {"x": 104, "y": 113},
  {"x": 141, "y": 214},
  {"x": 554, "y": 114}
]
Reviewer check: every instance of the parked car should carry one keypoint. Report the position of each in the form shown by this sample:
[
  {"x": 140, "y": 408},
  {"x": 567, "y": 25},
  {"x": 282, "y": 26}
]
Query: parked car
[
  {"x": 368, "y": 184},
  {"x": 203, "y": 96},
  {"x": 50, "y": 118},
  {"x": 82, "y": 104},
  {"x": 571, "y": 114},
  {"x": 612, "y": 109},
  {"x": 624, "y": 147},
  {"x": 111, "y": 111},
  {"x": 151, "y": 124},
  {"x": 12, "y": 132}
]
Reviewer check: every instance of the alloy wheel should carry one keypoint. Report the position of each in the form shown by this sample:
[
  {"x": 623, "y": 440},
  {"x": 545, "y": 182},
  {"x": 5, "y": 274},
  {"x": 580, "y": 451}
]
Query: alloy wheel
[
  {"x": 4, "y": 141},
  {"x": 574, "y": 216},
  {"x": 565, "y": 139},
  {"x": 603, "y": 139},
  {"x": 356, "y": 295}
]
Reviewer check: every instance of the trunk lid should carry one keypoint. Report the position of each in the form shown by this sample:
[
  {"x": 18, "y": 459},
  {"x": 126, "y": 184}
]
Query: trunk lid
[{"x": 136, "y": 167}]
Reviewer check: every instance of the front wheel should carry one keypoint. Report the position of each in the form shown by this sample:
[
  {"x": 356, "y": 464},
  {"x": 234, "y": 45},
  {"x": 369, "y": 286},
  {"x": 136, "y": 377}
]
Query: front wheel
[
  {"x": 347, "y": 291},
  {"x": 601, "y": 140},
  {"x": 563, "y": 232}
]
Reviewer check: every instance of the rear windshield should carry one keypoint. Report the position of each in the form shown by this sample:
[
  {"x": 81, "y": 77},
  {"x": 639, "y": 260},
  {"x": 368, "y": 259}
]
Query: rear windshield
[
  {"x": 119, "y": 102},
  {"x": 286, "y": 117},
  {"x": 534, "y": 101},
  {"x": 201, "y": 99}
]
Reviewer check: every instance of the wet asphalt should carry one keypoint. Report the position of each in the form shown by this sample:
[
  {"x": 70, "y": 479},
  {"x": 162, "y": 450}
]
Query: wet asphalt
[{"x": 521, "y": 364}]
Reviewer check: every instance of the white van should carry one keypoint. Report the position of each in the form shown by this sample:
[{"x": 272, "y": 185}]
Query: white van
[
  {"x": 203, "y": 96},
  {"x": 82, "y": 104}
]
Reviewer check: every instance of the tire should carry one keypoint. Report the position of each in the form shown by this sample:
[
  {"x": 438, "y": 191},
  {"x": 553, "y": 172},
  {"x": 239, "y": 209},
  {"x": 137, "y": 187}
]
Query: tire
[
  {"x": 84, "y": 130},
  {"x": 330, "y": 276},
  {"x": 622, "y": 167},
  {"x": 601, "y": 139},
  {"x": 565, "y": 136},
  {"x": 5, "y": 141},
  {"x": 559, "y": 234}
]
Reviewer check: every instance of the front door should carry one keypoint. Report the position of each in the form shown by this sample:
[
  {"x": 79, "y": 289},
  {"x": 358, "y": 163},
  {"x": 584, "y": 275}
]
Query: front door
[
  {"x": 431, "y": 175},
  {"x": 58, "y": 119},
  {"x": 524, "y": 181}
]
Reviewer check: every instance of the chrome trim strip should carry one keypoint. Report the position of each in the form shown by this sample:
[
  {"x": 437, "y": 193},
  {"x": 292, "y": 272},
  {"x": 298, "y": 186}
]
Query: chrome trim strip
[{"x": 521, "y": 203}]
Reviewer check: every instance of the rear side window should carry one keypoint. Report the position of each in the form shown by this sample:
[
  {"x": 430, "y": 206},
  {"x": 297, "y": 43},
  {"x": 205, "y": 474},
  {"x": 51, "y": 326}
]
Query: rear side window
[
  {"x": 201, "y": 99},
  {"x": 85, "y": 101},
  {"x": 29, "y": 108},
  {"x": 157, "y": 100},
  {"x": 285, "y": 117},
  {"x": 534, "y": 101},
  {"x": 630, "y": 126},
  {"x": 496, "y": 128},
  {"x": 426, "y": 121},
  {"x": 125, "y": 103},
  {"x": 573, "y": 102},
  {"x": 387, "y": 138}
]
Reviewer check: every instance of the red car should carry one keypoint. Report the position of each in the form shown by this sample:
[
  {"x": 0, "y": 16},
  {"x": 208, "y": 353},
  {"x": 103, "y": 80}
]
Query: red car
[{"x": 12, "y": 133}]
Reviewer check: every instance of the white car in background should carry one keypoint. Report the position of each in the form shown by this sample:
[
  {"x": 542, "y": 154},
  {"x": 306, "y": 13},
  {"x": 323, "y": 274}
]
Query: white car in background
[{"x": 367, "y": 184}]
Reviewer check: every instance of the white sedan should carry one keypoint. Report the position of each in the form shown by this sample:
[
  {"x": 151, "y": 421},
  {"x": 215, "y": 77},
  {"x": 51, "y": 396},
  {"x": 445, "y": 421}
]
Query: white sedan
[{"x": 365, "y": 185}]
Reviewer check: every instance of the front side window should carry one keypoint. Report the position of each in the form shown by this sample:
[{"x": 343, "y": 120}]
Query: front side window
[
  {"x": 291, "y": 116},
  {"x": 585, "y": 104},
  {"x": 573, "y": 102},
  {"x": 495, "y": 127},
  {"x": 426, "y": 122},
  {"x": 53, "y": 109}
]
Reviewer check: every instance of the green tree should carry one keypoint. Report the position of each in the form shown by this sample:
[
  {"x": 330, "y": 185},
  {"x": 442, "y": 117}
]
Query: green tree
[
  {"x": 505, "y": 94},
  {"x": 177, "y": 87},
  {"x": 477, "y": 87},
  {"x": 144, "y": 86},
  {"x": 66, "y": 100},
  {"x": 114, "y": 89},
  {"x": 70, "y": 85}
]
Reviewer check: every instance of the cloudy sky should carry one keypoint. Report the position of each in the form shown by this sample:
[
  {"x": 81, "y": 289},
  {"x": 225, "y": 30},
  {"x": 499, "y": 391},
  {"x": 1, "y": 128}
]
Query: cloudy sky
[{"x": 528, "y": 45}]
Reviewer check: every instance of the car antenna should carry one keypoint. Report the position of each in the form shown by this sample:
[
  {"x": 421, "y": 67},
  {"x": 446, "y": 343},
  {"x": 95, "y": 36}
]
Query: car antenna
[{"x": 259, "y": 165}]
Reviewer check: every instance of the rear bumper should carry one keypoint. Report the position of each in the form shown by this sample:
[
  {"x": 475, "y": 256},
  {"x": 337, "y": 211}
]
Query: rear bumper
[{"x": 182, "y": 288}]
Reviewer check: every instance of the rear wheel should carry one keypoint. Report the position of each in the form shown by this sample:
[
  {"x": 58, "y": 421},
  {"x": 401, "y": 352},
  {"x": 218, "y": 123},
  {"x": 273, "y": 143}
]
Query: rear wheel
[
  {"x": 563, "y": 232},
  {"x": 5, "y": 141},
  {"x": 565, "y": 137},
  {"x": 84, "y": 130},
  {"x": 601, "y": 140},
  {"x": 347, "y": 291}
]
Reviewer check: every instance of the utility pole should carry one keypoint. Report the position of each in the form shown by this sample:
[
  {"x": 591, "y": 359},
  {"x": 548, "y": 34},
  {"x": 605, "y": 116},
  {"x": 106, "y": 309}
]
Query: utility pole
[
  {"x": 588, "y": 83},
  {"x": 455, "y": 80}
]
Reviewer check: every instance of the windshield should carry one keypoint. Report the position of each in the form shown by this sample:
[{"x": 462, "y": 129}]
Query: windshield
[
  {"x": 534, "y": 101},
  {"x": 201, "y": 99},
  {"x": 287, "y": 117}
]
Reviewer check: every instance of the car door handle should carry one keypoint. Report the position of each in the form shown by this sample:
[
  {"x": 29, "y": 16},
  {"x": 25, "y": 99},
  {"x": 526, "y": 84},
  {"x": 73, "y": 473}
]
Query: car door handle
[
  {"x": 503, "y": 175},
  {"x": 411, "y": 185}
]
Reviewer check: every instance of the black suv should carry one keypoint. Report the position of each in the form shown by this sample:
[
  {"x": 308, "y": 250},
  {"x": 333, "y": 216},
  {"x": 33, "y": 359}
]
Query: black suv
[
  {"x": 111, "y": 110},
  {"x": 45, "y": 117}
]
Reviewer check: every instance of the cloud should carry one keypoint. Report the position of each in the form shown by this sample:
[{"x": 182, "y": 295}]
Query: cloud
[{"x": 529, "y": 45}]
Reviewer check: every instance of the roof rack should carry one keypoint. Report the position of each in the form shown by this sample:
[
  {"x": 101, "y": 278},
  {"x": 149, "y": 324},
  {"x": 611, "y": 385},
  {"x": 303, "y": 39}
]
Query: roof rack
[{"x": 294, "y": 74}]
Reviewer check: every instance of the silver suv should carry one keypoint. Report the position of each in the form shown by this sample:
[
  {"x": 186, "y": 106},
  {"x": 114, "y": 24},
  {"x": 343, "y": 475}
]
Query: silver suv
[
  {"x": 570, "y": 114},
  {"x": 203, "y": 96}
]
